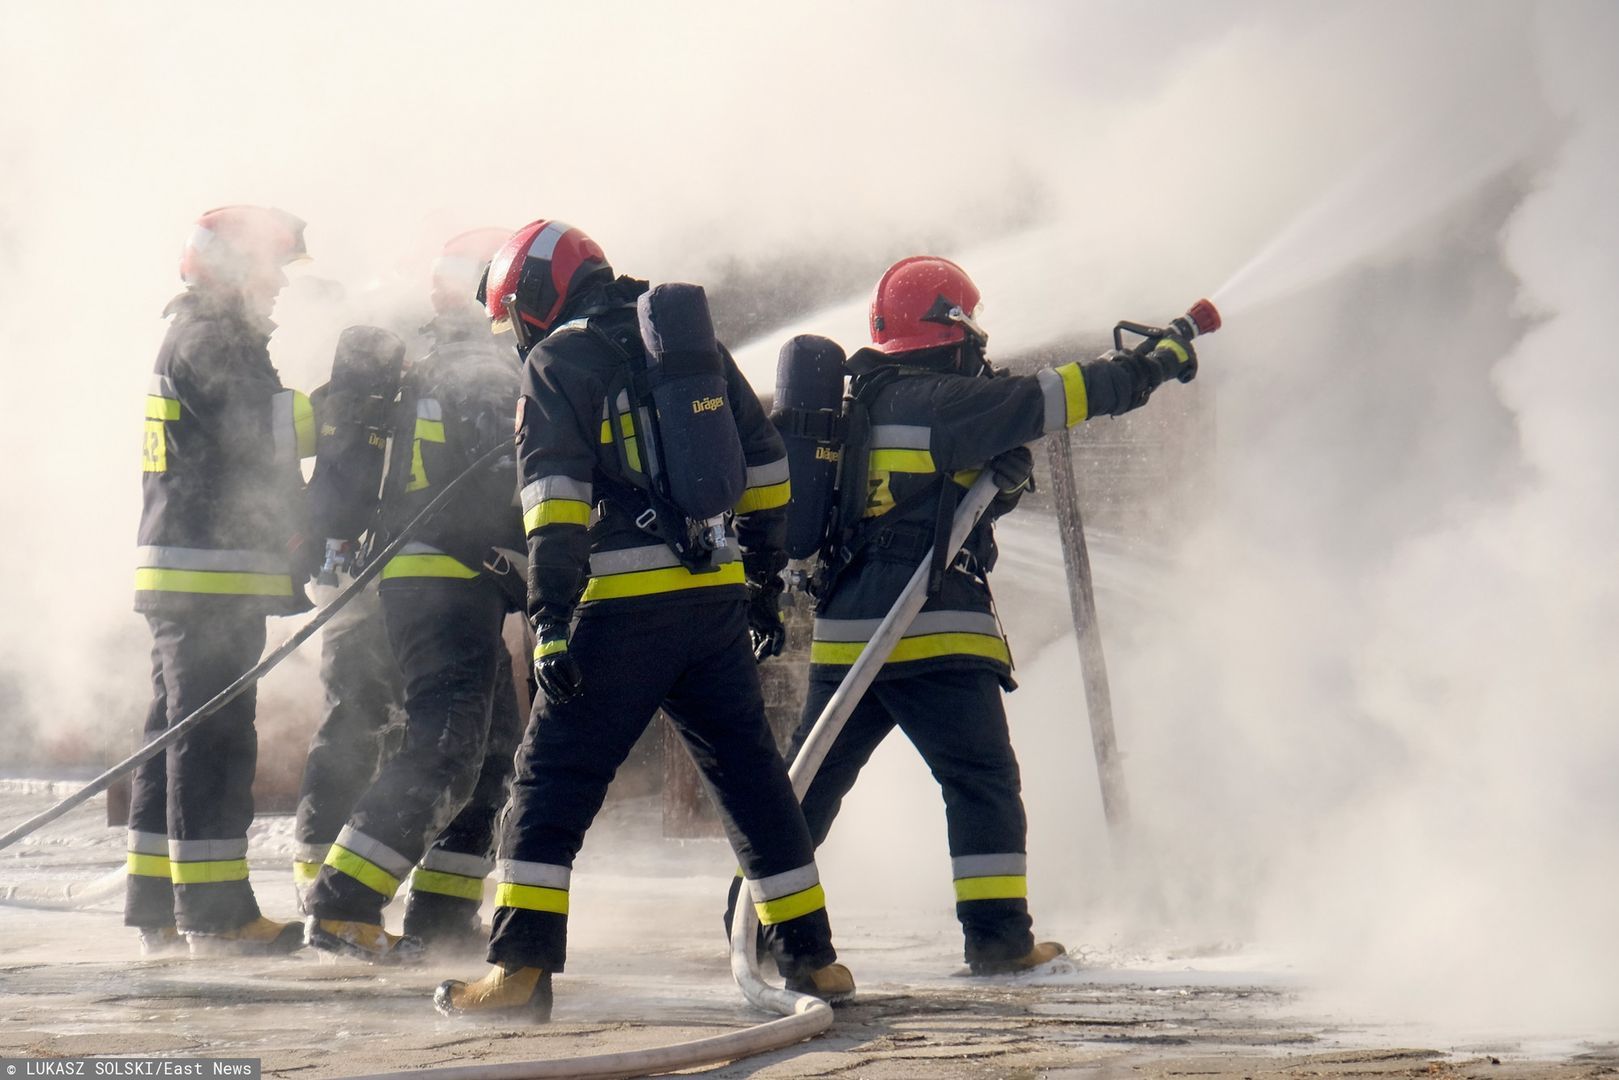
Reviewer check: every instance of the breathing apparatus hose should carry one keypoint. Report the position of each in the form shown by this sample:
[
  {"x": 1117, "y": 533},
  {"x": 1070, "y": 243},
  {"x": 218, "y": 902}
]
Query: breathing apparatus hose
[{"x": 178, "y": 731}]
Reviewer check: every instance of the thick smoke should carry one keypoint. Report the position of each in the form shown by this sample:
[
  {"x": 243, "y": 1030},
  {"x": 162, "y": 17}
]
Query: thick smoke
[{"x": 1368, "y": 723}]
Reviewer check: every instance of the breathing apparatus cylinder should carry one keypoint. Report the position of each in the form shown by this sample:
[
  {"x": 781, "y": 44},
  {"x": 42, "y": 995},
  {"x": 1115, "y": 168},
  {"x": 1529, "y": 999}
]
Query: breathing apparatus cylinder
[
  {"x": 695, "y": 454},
  {"x": 809, "y": 416}
]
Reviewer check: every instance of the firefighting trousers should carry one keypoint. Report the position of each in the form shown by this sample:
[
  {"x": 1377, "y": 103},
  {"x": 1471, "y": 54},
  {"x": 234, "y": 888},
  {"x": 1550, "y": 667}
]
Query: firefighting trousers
[
  {"x": 445, "y": 635},
  {"x": 956, "y": 720},
  {"x": 191, "y": 806},
  {"x": 363, "y": 687},
  {"x": 695, "y": 661}
]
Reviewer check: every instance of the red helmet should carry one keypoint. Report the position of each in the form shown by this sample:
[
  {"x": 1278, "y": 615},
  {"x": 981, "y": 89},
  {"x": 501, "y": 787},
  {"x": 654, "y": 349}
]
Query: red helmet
[
  {"x": 923, "y": 302},
  {"x": 233, "y": 245},
  {"x": 534, "y": 273},
  {"x": 460, "y": 266}
]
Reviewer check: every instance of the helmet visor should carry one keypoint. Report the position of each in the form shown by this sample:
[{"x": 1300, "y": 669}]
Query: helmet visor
[{"x": 969, "y": 322}]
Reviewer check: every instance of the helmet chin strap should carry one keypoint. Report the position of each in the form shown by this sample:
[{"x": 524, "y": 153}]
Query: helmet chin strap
[{"x": 970, "y": 359}]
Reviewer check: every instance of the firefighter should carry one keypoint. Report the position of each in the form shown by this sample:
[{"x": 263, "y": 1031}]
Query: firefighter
[
  {"x": 363, "y": 684},
  {"x": 938, "y": 414},
  {"x": 220, "y": 548},
  {"x": 624, "y": 626},
  {"x": 444, "y": 599}
]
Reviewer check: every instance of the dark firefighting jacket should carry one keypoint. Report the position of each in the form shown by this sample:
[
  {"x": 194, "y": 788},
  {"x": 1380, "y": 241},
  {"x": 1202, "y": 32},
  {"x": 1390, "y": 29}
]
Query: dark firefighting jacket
[
  {"x": 580, "y": 498},
  {"x": 928, "y": 429},
  {"x": 455, "y": 405},
  {"x": 221, "y": 481}
]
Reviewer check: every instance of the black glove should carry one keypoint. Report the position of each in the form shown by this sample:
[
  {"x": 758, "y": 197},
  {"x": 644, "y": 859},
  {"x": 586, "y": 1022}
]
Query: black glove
[
  {"x": 558, "y": 675},
  {"x": 1014, "y": 475},
  {"x": 765, "y": 628},
  {"x": 1175, "y": 358},
  {"x": 1170, "y": 357}
]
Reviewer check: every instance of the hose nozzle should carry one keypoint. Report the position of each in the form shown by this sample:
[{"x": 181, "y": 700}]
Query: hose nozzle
[{"x": 1201, "y": 318}]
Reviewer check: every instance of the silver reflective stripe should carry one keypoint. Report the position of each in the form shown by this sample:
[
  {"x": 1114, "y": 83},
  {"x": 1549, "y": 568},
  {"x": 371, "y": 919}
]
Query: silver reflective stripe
[
  {"x": 545, "y": 242},
  {"x": 161, "y": 386},
  {"x": 315, "y": 853},
  {"x": 555, "y": 487},
  {"x": 1051, "y": 388},
  {"x": 417, "y": 548},
  {"x": 428, "y": 409},
  {"x": 1013, "y": 864},
  {"x": 207, "y": 850},
  {"x": 900, "y": 437},
  {"x": 455, "y": 862},
  {"x": 373, "y": 851},
  {"x": 283, "y": 435},
  {"x": 148, "y": 843},
  {"x": 770, "y": 473},
  {"x": 241, "y": 562},
  {"x": 929, "y": 622},
  {"x": 543, "y": 875},
  {"x": 776, "y": 886},
  {"x": 651, "y": 557}
]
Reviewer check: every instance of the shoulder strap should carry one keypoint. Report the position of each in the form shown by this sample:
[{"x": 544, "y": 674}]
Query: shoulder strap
[
  {"x": 658, "y": 517},
  {"x": 851, "y": 532}
]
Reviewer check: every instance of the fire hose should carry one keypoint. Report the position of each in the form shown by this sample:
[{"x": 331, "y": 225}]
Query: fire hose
[
  {"x": 802, "y": 1016},
  {"x": 178, "y": 731}
]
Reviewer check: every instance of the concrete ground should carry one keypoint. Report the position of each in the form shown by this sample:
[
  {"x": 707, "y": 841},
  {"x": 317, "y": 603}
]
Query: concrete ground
[{"x": 647, "y": 967}]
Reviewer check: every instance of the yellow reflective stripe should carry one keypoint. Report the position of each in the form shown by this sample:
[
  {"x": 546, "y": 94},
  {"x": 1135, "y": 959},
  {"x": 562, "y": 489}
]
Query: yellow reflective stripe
[
  {"x": 217, "y": 582},
  {"x": 965, "y": 477},
  {"x": 557, "y": 512},
  {"x": 1073, "y": 388},
  {"x": 303, "y": 873},
  {"x": 444, "y": 566},
  {"x": 161, "y": 408},
  {"x": 790, "y": 906},
  {"x": 767, "y": 497},
  {"x": 364, "y": 871},
  {"x": 531, "y": 897},
  {"x": 626, "y": 424},
  {"x": 208, "y": 873},
  {"x": 546, "y": 648},
  {"x": 303, "y": 424},
  {"x": 1010, "y": 887},
  {"x": 443, "y": 884},
  {"x": 923, "y": 647},
  {"x": 148, "y": 865},
  {"x": 670, "y": 579},
  {"x": 902, "y": 461},
  {"x": 426, "y": 431},
  {"x": 154, "y": 447},
  {"x": 1175, "y": 347}
]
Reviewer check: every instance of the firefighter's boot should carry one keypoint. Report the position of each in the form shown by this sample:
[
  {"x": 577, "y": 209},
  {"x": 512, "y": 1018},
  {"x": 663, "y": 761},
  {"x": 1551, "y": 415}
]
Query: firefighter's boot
[
  {"x": 833, "y": 984},
  {"x": 333, "y": 938},
  {"x": 259, "y": 937},
  {"x": 1043, "y": 953},
  {"x": 506, "y": 991},
  {"x": 161, "y": 940}
]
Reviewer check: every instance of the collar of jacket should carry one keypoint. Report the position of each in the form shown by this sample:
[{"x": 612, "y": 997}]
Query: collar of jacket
[
  {"x": 598, "y": 299},
  {"x": 225, "y": 306},
  {"x": 865, "y": 361}
]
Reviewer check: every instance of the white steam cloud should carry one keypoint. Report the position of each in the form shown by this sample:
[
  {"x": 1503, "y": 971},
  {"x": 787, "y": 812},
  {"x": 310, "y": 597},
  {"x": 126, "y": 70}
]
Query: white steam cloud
[{"x": 1370, "y": 724}]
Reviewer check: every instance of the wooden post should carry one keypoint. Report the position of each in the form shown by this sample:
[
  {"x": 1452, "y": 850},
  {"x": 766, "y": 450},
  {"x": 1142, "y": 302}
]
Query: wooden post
[{"x": 1082, "y": 599}]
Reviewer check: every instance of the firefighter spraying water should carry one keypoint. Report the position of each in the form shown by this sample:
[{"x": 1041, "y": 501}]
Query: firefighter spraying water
[{"x": 886, "y": 468}]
